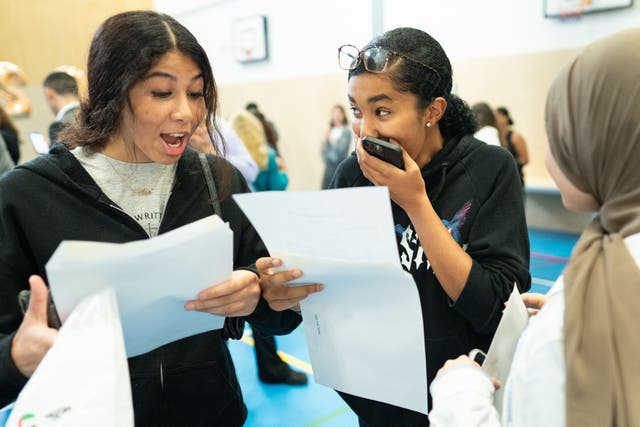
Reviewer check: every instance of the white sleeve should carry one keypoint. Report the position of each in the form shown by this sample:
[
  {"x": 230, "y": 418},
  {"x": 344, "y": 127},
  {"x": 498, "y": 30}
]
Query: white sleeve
[{"x": 463, "y": 396}]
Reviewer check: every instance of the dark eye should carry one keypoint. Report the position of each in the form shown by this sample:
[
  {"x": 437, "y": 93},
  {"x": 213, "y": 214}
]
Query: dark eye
[
  {"x": 158, "y": 94},
  {"x": 196, "y": 94}
]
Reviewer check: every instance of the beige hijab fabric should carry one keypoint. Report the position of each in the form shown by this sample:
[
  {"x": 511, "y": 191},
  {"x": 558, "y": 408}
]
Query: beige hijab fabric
[{"x": 593, "y": 124}]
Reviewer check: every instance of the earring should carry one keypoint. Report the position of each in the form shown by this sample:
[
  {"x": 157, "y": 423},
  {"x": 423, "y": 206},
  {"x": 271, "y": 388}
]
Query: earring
[{"x": 428, "y": 124}]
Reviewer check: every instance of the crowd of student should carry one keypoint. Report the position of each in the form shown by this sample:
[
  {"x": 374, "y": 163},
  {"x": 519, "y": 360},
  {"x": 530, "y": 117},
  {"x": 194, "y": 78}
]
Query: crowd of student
[{"x": 457, "y": 207}]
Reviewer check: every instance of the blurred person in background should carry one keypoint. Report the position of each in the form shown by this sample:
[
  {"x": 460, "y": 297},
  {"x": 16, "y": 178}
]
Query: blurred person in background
[
  {"x": 512, "y": 140},
  {"x": 486, "y": 122},
  {"x": 269, "y": 128},
  {"x": 275, "y": 176},
  {"x": 252, "y": 131},
  {"x": 235, "y": 151},
  {"x": 335, "y": 146},
  {"x": 61, "y": 93}
]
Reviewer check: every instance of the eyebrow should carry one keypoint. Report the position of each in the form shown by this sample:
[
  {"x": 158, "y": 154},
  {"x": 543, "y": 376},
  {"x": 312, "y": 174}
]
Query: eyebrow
[
  {"x": 373, "y": 99},
  {"x": 376, "y": 98},
  {"x": 170, "y": 76}
]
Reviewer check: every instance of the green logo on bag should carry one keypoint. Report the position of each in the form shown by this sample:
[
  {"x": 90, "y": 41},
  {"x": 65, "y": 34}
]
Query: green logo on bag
[{"x": 27, "y": 420}]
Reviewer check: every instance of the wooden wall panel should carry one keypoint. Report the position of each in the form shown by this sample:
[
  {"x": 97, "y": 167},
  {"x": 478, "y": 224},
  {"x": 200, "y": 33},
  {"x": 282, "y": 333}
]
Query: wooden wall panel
[{"x": 40, "y": 35}]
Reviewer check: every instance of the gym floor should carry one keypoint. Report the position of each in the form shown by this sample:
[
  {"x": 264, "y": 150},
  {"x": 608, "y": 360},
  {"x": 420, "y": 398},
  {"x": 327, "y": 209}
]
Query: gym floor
[{"x": 316, "y": 405}]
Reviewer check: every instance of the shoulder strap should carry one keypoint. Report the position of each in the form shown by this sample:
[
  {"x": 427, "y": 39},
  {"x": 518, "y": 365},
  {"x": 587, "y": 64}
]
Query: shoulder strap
[
  {"x": 233, "y": 326},
  {"x": 211, "y": 186}
]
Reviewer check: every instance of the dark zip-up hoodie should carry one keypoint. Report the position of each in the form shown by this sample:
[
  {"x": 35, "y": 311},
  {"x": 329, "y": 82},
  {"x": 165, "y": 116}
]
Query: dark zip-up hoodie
[
  {"x": 188, "y": 382},
  {"x": 475, "y": 190}
]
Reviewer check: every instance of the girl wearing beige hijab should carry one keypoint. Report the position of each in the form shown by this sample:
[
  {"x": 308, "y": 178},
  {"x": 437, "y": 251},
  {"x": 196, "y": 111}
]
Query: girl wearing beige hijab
[{"x": 578, "y": 361}]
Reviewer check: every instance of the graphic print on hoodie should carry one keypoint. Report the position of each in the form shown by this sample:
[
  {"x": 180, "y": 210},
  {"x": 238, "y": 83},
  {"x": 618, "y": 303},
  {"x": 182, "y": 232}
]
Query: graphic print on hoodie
[{"x": 411, "y": 253}]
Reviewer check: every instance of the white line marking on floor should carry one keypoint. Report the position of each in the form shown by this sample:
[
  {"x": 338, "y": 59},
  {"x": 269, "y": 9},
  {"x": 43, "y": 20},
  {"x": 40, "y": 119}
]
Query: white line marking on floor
[{"x": 543, "y": 282}]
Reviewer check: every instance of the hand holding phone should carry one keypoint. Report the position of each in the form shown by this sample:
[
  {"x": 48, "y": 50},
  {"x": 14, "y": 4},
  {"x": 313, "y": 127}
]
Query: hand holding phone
[
  {"x": 34, "y": 338},
  {"x": 53, "y": 320},
  {"x": 384, "y": 151}
]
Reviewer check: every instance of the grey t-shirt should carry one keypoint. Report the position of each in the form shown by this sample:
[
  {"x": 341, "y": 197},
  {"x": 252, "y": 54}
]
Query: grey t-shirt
[{"x": 139, "y": 189}]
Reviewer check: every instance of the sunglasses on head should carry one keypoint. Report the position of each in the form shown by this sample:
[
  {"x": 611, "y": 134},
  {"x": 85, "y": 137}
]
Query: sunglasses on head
[{"x": 375, "y": 58}]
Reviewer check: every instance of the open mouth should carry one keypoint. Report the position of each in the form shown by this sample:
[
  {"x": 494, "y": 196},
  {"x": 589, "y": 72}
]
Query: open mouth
[{"x": 173, "y": 140}]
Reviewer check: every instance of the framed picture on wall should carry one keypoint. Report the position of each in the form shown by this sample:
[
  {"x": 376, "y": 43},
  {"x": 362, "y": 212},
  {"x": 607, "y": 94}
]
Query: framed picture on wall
[
  {"x": 249, "y": 39},
  {"x": 561, "y": 8}
]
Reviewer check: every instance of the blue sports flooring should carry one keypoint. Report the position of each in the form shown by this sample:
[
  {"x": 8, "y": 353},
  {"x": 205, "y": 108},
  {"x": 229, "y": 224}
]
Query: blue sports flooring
[{"x": 316, "y": 405}]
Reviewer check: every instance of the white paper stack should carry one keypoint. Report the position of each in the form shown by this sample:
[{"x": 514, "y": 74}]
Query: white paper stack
[{"x": 152, "y": 280}]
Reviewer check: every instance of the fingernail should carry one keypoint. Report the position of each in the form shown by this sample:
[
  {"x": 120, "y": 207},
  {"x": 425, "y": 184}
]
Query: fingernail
[
  {"x": 296, "y": 273},
  {"x": 189, "y": 306},
  {"x": 276, "y": 262},
  {"x": 319, "y": 287}
]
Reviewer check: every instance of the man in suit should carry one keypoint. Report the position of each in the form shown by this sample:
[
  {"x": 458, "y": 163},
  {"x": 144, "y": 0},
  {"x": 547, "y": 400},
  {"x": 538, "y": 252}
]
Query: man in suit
[{"x": 61, "y": 93}]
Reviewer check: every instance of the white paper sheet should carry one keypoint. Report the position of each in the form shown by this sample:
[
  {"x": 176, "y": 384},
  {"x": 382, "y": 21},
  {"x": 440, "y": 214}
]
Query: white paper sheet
[
  {"x": 345, "y": 240},
  {"x": 152, "y": 278},
  {"x": 503, "y": 346},
  {"x": 84, "y": 378},
  {"x": 349, "y": 224}
]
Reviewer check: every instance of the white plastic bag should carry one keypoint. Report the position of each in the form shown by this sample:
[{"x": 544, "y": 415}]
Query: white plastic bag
[{"x": 84, "y": 378}]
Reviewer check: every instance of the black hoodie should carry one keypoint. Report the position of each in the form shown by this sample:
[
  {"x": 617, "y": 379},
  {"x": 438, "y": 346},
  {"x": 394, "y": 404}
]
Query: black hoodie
[
  {"x": 475, "y": 190},
  {"x": 53, "y": 198}
]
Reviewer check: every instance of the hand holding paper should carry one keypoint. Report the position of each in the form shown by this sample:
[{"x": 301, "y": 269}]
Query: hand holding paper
[
  {"x": 274, "y": 285},
  {"x": 235, "y": 297},
  {"x": 533, "y": 302},
  {"x": 465, "y": 360}
]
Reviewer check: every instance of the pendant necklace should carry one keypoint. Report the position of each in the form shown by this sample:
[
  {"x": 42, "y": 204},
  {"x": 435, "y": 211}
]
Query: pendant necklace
[{"x": 142, "y": 191}]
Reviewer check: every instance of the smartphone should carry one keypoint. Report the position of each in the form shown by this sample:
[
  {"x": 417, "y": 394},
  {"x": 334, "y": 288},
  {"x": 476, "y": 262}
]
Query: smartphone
[
  {"x": 477, "y": 356},
  {"x": 52, "y": 315},
  {"x": 383, "y": 150},
  {"x": 39, "y": 142}
]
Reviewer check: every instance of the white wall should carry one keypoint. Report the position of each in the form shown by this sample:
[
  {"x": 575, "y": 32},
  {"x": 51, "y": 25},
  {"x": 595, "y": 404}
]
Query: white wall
[
  {"x": 304, "y": 35},
  {"x": 480, "y": 29}
]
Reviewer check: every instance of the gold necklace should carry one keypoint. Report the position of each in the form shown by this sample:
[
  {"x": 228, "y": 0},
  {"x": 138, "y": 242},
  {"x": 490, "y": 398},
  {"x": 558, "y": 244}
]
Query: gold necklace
[{"x": 142, "y": 191}]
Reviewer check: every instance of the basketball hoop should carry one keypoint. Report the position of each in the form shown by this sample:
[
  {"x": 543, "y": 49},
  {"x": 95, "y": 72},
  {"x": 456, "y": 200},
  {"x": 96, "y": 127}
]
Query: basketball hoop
[{"x": 572, "y": 9}]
